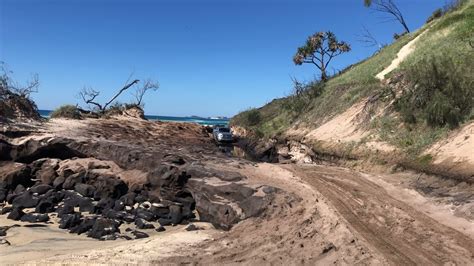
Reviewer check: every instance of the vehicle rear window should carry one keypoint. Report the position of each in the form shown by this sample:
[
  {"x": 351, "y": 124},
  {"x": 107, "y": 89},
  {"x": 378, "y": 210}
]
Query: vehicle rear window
[{"x": 226, "y": 130}]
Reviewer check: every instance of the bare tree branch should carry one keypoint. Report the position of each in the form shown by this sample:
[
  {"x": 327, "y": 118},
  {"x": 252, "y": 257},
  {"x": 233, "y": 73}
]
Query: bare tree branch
[
  {"x": 88, "y": 95},
  {"x": 120, "y": 92},
  {"x": 140, "y": 92},
  {"x": 368, "y": 39},
  {"x": 390, "y": 8}
]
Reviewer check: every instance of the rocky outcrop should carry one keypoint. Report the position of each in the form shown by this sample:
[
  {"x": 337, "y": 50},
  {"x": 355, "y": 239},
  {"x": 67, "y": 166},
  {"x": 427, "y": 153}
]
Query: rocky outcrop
[{"x": 121, "y": 182}]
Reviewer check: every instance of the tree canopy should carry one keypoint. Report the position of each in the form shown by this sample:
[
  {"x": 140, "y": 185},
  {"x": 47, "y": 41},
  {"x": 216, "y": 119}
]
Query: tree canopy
[{"x": 320, "y": 49}]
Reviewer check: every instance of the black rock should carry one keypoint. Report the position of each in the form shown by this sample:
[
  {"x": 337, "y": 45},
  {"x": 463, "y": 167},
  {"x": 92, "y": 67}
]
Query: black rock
[
  {"x": 142, "y": 224},
  {"x": 160, "y": 229},
  {"x": 84, "y": 189},
  {"x": 126, "y": 237},
  {"x": 103, "y": 227},
  {"x": 45, "y": 206},
  {"x": 129, "y": 218},
  {"x": 140, "y": 198},
  {"x": 103, "y": 205},
  {"x": 160, "y": 211},
  {"x": 6, "y": 210},
  {"x": 108, "y": 237},
  {"x": 25, "y": 200},
  {"x": 144, "y": 214},
  {"x": 164, "y": 221},
  {"x": 71, "y": 181},
  {"x": 191, "y": 227},
  {"x": 84, "y": 204},
  {"x": 58, "y": 182},
  {"x": 40, "y": 189},
  {"x": 35, "y": 218},
  {"x": 15, "y": 214},
  {"x": 175, "y": 214},
  {"x": 119, "y": 205},
  {"x": 69, "y": 220},
  {"x": 19, "y": 189},
  {"x": 65, "y": 209},
  {"x": 139, "y": 234},
  {"x": 109, "y": 187},
  {"x": 85, "y": 225},
  {"x": 128, "y": 199},
  {"x": 3, "y": 194}
]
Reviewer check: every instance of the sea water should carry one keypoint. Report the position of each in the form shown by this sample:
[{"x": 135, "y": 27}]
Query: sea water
[{"x": 199, "y": 120}]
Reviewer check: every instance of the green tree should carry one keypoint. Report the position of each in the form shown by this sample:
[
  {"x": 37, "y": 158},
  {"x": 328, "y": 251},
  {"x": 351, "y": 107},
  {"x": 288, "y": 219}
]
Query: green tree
[{"x": 320, "y": 49}]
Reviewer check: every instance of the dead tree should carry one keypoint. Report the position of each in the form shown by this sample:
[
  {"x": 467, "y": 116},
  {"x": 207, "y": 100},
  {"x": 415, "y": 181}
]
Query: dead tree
[
  {"x": 147, "y": 86},
  {"x": 368, "y": 39},
  {"x": 389, "y": 8},
  {"x": 88, "y": 95}
]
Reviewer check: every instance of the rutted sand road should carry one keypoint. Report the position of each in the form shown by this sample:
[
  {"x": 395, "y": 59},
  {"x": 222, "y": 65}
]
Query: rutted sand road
[{"x": 401, "y": 233}]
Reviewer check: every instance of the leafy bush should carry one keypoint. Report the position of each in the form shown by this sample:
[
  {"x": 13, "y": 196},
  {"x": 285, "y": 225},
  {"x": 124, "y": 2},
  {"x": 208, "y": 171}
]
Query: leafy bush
[
  {"x": 302, "y": 96},
  {"x": 436, "y": 14},
  {"x": 441, "y": 92},
  {"x": 252, "y": 117},
  {"x": 66, "y": 111}
]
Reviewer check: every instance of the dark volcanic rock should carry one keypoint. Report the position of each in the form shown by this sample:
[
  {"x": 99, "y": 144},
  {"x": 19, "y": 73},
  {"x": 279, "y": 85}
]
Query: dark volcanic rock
[
  {"x": 110, "y": 187},
  {"x": 69, "y": 220},
  {"x": 58, "y": 182},
  {"x": 160, "y": 229},
  {"x": 40, "y": 189},
  {"x": 15, "y": 214},
  {"x": 142, "y": 224},
  {"x": 84, "y": 226},
  {"x": 75, "y": 200},
  {"x": 128, "y": 199},
  {"x": 72, "y": 180},
  {"x": 25, "y": 200},
  {"x": 175, "y": 214},
  {"x": 35, "y": 218},
  {"x": 45, "y": 206},
  {"x": 6, "y": 210},
  {"x": 139, "y": 234},
  {"x": 65, "y": 209},
  {"x": 103, "y": 227},
  {"x": 144, "y": 214},
  {"x": 84, "y": 189},
  {"x": 160, "y": 211}
]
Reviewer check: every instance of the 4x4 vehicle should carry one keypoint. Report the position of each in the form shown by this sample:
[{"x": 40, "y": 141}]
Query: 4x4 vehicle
[{"x": 222, "y": 134}]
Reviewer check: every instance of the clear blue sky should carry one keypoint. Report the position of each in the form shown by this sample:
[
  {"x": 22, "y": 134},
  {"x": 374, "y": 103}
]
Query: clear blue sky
[{"x": 211, "y": 57}]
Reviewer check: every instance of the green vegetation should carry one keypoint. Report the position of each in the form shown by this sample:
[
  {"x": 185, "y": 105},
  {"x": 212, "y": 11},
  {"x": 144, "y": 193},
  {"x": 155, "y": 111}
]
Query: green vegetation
[
  {"x": 440, "y": 93},
  {"x": 319, "y": 49},
  {"x": 66, "y": 111},
  {"x": 431, "y": 91}
]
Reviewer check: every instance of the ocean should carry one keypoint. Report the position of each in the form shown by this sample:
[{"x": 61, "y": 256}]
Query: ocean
[{"x": 190, "y": 119}]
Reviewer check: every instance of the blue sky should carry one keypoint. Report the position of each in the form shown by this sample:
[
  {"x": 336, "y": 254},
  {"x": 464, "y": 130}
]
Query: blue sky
[{"x": 211, "y": 57}]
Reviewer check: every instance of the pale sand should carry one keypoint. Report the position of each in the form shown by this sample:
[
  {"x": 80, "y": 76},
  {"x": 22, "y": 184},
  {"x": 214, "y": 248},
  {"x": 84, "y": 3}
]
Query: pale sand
[
  {"x": 401, "y": 55},
  {"x": 49, "y": 244}
]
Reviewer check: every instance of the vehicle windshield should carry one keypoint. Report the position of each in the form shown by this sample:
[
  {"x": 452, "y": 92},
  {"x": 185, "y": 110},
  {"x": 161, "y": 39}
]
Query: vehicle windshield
[{"x": 225, "y": 130}]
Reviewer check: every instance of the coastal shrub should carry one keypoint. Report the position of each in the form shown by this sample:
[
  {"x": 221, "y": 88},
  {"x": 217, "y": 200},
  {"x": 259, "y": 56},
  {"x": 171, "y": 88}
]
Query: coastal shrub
[
  {"x": 302, "y": 96},
  {"x": 440, "y": 93},
  {"x": 252, "y": 117},
  {"x": 436, "y": 14},
  {"x": 66, "y": 111}
]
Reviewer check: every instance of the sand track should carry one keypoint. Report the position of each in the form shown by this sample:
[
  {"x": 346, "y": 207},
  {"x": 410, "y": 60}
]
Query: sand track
[{"x": 403, "y": 234}]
